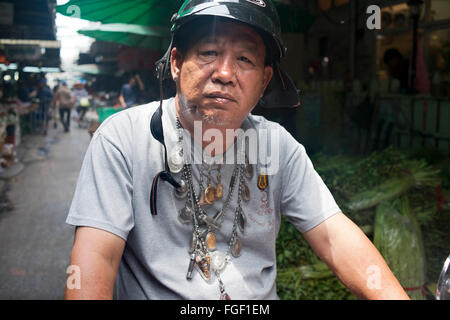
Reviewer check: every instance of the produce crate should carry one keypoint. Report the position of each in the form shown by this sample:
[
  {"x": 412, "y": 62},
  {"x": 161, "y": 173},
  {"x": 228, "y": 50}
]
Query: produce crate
[{"x": 104, "y": 113}]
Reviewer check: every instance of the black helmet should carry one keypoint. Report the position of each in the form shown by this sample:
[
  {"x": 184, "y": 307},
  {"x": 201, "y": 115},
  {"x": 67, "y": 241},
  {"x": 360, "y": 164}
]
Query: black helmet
[{"x": 259, "y": 14}]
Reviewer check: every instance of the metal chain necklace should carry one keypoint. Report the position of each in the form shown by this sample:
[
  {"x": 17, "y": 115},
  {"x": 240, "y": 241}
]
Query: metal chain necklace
[{"x": 204, "y": 256}]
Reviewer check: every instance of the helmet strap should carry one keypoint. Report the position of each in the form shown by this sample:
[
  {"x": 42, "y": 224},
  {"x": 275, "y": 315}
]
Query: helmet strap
[{"x": 156, "y": 129}]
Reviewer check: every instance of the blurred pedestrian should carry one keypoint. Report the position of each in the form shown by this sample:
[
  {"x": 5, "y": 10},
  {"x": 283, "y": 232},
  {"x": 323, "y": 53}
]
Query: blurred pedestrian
[
  {"x": 65, "y": 101},
  {"x": 131, "y": 91},
  {"x": 24, "y": 92},
  {"x": 82, "y": 100},
  {"x": 45, "y": 96}
]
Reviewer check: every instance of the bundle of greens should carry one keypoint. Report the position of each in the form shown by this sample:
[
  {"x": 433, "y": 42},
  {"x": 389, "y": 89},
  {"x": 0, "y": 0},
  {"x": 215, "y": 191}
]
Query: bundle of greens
[
  {"x": 398, "y": 237},
  {"x": 300, "y": 273},
  {"x": 362, "y": 186},
  {"x": 416, "y": 174}
]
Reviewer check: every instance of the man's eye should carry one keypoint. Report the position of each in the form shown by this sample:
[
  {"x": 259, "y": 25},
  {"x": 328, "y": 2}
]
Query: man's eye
[
  {"x": 209, "y": 53},
  {"x": 245, "y": 59}
]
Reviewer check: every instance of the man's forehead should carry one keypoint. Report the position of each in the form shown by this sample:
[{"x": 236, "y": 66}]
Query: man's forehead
[{"x": 236, "y": 30}]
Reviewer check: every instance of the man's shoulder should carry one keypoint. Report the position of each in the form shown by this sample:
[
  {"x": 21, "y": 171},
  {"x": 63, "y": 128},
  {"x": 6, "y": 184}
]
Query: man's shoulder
[
  {"x": 276, "y": 135},
  {"x": 260, "y": 123}
]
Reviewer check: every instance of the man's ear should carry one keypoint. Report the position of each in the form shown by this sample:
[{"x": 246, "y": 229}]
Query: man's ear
[
  {"x": 176, "y": 60},
  {"x": 268, "y": 73}
]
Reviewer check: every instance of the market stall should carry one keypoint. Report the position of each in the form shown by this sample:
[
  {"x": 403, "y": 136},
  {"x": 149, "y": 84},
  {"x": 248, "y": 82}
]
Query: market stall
[{"x": 14, "y": 115}]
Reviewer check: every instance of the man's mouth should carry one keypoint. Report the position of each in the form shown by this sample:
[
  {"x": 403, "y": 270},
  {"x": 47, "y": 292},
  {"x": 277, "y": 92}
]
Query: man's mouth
[{"x": 220, "y": 97}]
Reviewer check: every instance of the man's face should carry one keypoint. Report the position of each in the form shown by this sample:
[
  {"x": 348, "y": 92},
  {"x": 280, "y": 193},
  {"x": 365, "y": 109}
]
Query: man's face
[{"x": 221, "y": 77}]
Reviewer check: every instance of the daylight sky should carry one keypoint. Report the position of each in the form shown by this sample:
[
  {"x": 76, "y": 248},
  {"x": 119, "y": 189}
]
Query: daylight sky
[{"x": 72, "y": 43}]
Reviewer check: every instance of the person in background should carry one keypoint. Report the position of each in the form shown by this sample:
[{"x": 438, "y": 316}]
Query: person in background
[
  {"x": 45, "y": 96},
  {"x": 82, "y": 100},
  {"x": 398, "y": 68},
  {"x": 23, "y": 93},
  {"x": 65, "y": 101},
  {"x": 130, "y": 92}
]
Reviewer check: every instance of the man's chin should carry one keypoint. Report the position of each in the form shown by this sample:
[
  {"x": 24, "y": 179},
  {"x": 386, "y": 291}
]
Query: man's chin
[
  {"x": 215, "y": 118},
  {"x": 209, "y": 115}
]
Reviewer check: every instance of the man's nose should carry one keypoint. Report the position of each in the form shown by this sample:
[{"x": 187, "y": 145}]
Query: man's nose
[{"x": 225, "y": 71}]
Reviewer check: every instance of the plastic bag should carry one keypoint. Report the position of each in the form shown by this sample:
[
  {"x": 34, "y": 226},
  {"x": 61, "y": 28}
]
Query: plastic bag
[
  {"x": 84, "y": 102},
  {"x": 398, "y": 237},
  {"x": 74, "y": 115}
]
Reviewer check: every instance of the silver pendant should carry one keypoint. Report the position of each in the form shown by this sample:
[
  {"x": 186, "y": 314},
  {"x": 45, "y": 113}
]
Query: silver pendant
[
  {"x": 193, "y": 243},
  {"x": 218, "y": 218},
  {"x": 209, "y": 221},
  {"x": 203, "y": 266},
  {"x": 242, "y": 221},
  {"x": 245, "y": 193},
  {"x": 176, "y": 161},
  {"x": 182, "y": 191},
  {"x": 236, "y": 247},
  {"x": 185, "y": 215},
  {"x": 224, "y": 296},
  {"x": 191, "y": 267},
  {"x": 218, "y": 261},
  {"x": 249, "y": 171}
]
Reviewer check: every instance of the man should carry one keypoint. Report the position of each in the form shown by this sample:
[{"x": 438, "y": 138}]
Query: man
[
  {"x": 82, "y": 100},
  {"x": 65, "y": 101},
  {"x": 130, "y": 92},
  {"x": 45, "y": 96},
  {"x": 154, "y": 225}
]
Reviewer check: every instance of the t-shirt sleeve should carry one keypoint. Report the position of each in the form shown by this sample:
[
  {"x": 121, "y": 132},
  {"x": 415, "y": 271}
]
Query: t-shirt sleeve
[
  {"x": 103, "y": 195},
  {"x": 305, "y": 199}
]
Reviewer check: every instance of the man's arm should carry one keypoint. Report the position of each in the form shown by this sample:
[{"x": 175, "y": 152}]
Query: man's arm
[
  {"x": 97, "y": 255},
  {"x": 140, "y": 83},
  {"x": 354, "y": 259},
  {"x": 122, "y": 101}
]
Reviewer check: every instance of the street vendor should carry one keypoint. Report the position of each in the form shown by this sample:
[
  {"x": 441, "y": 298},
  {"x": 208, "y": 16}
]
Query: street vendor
[{"x": 160, "y": 214}]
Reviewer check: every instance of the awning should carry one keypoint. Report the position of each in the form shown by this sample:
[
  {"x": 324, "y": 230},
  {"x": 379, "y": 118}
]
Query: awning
[
  {"x": 55, "y": 44},
  {"x": 154, "y": 37},
  {"x": 94, "y": 69},
  {"x": 137, "y": 12},
  {"x": 158, "y": 12},
  {"x": 33, "y": 69}
]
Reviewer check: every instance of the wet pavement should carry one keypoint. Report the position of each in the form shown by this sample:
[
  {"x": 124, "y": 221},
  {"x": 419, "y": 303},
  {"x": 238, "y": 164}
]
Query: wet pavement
[{"x": 35, "y": 242}]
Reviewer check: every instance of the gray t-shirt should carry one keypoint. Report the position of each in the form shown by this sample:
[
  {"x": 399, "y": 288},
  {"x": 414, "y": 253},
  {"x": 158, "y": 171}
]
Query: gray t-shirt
[{"x": 113, "y": 194}]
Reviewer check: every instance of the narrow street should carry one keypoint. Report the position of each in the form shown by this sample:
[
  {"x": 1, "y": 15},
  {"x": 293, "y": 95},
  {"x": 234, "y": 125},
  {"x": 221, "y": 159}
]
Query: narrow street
[{"x": 35, "y": 240}]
